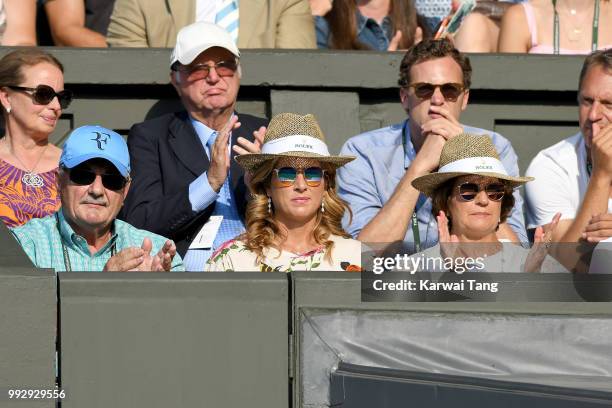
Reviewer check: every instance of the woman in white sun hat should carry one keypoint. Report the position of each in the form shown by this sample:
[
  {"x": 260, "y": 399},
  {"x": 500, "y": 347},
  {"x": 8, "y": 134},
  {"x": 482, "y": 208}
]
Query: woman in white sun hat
[
  {"x": 471, "y": 195},
  {"x": 293, "y": 220}
]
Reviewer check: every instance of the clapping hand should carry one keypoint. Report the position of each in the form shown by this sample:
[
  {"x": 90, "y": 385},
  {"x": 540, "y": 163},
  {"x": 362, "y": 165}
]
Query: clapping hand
[
  {"x": 219, "y": 157},
  {"x": 125, "y": 260},
  {"x": 162, "y": 261},
  {"x": 449, "y": 243},
  {"x": 541, "y": 244},
  {"x": 140, "y": 260},
  {"x": 245, "y": 146}
]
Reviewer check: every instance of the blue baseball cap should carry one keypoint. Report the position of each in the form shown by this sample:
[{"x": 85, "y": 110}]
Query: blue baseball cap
[{"x": 96, "y": 142}]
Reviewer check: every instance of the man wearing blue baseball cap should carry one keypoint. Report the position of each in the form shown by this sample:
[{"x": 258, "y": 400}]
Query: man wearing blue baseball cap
[{"x": 84, "y": 235}]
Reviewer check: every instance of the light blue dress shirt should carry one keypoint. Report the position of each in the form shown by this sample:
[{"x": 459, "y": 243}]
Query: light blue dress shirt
[
  {"x": 368, "y": 182},
  {"x": 201, "y": 195}
]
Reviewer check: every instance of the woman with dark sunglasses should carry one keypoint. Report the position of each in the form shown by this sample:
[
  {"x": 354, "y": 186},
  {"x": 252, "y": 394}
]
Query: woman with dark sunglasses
[
  {"x": 472, "y": 194},
  {"x": 32, "y": 96},
  {"x": 294, "y": 218}
]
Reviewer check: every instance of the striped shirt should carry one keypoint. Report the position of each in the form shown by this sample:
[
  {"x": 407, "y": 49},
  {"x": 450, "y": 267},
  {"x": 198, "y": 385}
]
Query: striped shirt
[{"x": 42, "y": 238}]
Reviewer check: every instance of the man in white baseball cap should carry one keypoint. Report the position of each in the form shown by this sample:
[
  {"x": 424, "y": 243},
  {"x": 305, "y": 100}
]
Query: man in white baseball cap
[
  {"x": 183, "y": 183},
  {"x": 189, "y": 43}
]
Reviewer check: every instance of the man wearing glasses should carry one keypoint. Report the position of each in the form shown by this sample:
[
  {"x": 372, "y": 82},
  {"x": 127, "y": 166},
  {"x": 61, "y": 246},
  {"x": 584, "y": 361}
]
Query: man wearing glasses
[
  {"x": 185, "y": 186},
  {"x": 93, "y": 180},
  {"x": 434, "y": 88}
]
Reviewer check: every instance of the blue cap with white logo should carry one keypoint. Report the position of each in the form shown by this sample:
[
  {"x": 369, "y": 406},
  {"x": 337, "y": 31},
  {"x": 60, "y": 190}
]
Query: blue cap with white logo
[{"x": 96, "y": 142}]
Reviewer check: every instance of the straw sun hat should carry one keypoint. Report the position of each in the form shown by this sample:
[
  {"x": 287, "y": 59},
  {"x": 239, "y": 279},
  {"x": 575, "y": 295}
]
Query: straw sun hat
[
  {"x": 292, "y": 135},
  {"x": 463, "y": 155}
]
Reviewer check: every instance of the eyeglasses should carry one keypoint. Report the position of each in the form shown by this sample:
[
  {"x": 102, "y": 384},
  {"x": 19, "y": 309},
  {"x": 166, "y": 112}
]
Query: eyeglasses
[
  {"x": 469, "y": 191},
  {"x": 44, "y": 94},
  {"x": 201, "y": 71},
  {"x": 84, "y": 177},
  {"x": 286, "y": 176},
  {"x": 450, "y": 90}
]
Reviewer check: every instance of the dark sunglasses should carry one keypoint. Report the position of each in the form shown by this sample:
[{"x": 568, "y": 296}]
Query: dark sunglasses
[
  {"x": 84, "y": 177},
  {"x": 201, "y": 71},
  {"x": 286, "y": 176},
  {"x": 469, "y": 191},
  {"x": 425, "y": 90},
  {"x": 44, "y": 94}
]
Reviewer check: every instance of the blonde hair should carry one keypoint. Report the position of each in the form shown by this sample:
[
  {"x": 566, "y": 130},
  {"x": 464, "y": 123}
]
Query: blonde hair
[{"x": 262, "y": 229}]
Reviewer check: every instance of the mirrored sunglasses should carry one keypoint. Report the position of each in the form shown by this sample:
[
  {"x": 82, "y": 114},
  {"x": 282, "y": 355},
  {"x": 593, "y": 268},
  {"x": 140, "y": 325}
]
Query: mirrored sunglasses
[
  {"x": 425, "y": 90},
  {"x": 201, "y": 71},
  {"x": 469, "y": 191},
  {"x": 44, "y": 94},
  {"x": 286, "y": 176},
  {"x": 84, "y": 177}
]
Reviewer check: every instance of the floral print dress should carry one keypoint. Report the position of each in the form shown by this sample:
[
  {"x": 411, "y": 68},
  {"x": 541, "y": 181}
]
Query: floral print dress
[
  {"x": 233, "y": 256},
  {"x": 19, "y": 203}
]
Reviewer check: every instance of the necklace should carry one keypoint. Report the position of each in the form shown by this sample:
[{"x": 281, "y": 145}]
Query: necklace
[
  {"x": 30, "y": 178},
  {"x": 575, "y": 31}
]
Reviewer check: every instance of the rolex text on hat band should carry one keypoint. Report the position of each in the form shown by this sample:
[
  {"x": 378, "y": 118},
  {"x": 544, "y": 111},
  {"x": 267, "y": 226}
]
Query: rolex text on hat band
[
  {"x": 295, "y": 143},
  {"x": 474, "y": 165}
]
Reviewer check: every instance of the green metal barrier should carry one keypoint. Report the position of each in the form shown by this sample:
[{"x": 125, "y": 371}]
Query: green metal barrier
[{"x": 174, "y": 340}]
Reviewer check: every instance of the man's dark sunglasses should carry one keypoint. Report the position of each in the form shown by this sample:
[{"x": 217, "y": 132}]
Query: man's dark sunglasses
[
  {"x": 44, "y": 94},
  {"x": 469, "y": 191},
  {"x": 425, "y": 90},
  {"x": 84, "y": 177}
]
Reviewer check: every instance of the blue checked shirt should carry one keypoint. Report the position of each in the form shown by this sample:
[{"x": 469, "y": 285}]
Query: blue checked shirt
[
  {"x": 201, "y": 195},
  {"x": 42, "y": 242}
]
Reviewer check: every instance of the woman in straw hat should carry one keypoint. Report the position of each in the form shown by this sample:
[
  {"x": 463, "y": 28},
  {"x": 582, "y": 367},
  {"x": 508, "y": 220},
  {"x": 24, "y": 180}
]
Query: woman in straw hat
[
  {"x": 293, "y": 220},
  {"x": 471, "y": 195}
]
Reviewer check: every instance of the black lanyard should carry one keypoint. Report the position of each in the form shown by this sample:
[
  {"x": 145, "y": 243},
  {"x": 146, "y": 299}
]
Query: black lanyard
[
  {"x": 594, "y": 35},
  {"x": 67, "y": 263},
  {"x": 415, "y": 231}
]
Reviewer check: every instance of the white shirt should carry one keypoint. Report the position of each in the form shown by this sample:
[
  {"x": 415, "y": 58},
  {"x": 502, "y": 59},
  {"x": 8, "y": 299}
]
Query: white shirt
[
  {"x": 206, "y": 10},
  {"x": 561, "y": 181}
]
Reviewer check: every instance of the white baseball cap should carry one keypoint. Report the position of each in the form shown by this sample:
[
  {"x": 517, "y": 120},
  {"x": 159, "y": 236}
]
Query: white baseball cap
[{"x": 196, "y": 38}]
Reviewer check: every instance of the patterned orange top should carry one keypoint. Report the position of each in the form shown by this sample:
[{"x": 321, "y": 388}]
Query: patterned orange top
[{"x": 19, "y": 203}]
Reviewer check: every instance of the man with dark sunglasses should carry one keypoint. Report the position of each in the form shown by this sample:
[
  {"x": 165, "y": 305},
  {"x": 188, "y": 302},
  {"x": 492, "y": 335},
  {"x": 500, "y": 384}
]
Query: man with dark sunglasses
[
  {"x": 185, "y": 186},
  {"x": 84, "y": 235},
  {"x": 434, "y": 89}
]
